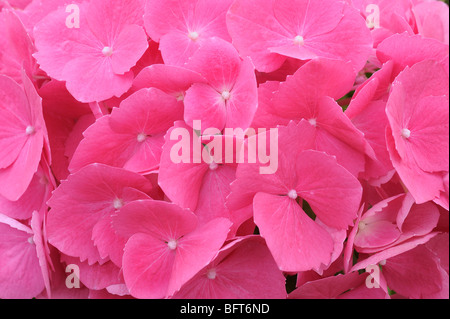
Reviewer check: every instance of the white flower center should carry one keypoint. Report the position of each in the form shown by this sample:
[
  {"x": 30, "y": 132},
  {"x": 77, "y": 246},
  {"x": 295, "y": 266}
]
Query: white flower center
[
  {"x": 298, "y": 40},
  {"x": 107, "y": 51},
  {"x": 211, "y": 274},
  {"x": 383, "y": 262},
  {"x": 30, "y": 240},
  {"x": 313, "y": 122},
  {"x": 406, "y": 133},
  {"x": 118, "y": 203},
  {"x": 141, "y": 137},
  {"x": 30, "y": 130},
  {"x": 172, "y": 244},
  {"x": 193, "y": 35},
  {"x": 292, "y": 194},
  {"x": 180, "y": 97},
  {"x": 226, "y": 95}
]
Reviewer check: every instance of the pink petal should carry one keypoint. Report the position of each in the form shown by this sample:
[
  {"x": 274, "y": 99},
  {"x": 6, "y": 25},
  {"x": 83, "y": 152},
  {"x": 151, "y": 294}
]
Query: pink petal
[
  {"x": 79, "y": 203},
  {"x": 405, "y": 50},
  {"x": 328, "y": 188},
  {"x": 33, "y": 199},
  {"x": 147, "y": 266},
  {"x": 404, "y": 273},
  {"x": 21, "y": 106},
  {"x": 162, "y": 220},
  {"x": 95, "y": 276},
  {"x": 418, "y": 103},
  {"x": 20, "y": 276},
  {"x": 244, "y": 269},
  {"x": 204, "y": 103},
  {"x": 296, "y": 242},
  {"x": 132, "y": 136},
  {"x": 169, "y": 79}
]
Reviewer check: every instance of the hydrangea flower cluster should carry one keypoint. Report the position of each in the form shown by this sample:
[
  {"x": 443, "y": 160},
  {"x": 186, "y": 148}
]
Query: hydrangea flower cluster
[{"x": 115, "y": 176}]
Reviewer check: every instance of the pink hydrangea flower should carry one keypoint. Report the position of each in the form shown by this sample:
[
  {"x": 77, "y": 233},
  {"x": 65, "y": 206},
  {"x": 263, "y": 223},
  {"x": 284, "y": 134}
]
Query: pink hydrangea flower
[
  {"x": 132, "y": 136},
  {"x": 269, "y": 31},
  {"x": 229, "y": 98},
  {"x": 418, "y": 136},
  {"x": 21, "y": 277},
  {"x": 23, "y": 136},
  {"x": 202, "y": 186},
  {"x": 322, "y": 81},
  {"x": 165, "y": 248},
  {"x": 79, "y": 222},
  {"x": 181, "y": 26},
  {"x": 242, "y": 269},
  {"x": 199, "y": 149},
  {"x": 102, "y": 49},
  {"x": 278, "y": 198}
]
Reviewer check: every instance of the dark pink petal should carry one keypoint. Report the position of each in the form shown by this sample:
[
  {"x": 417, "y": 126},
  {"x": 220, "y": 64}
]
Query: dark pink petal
[
  {"x": 203, "y": 103},
  {"x": 191, "y": 168},
  {"x": 16, "y": 47},
  {"x": 375, "y": 259},
  {"x": 196, "y": 250},
  {"x": 431, "y": 184},
  {"x": 33, "y": 199},
  {"x": 165, "y": 249}
]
